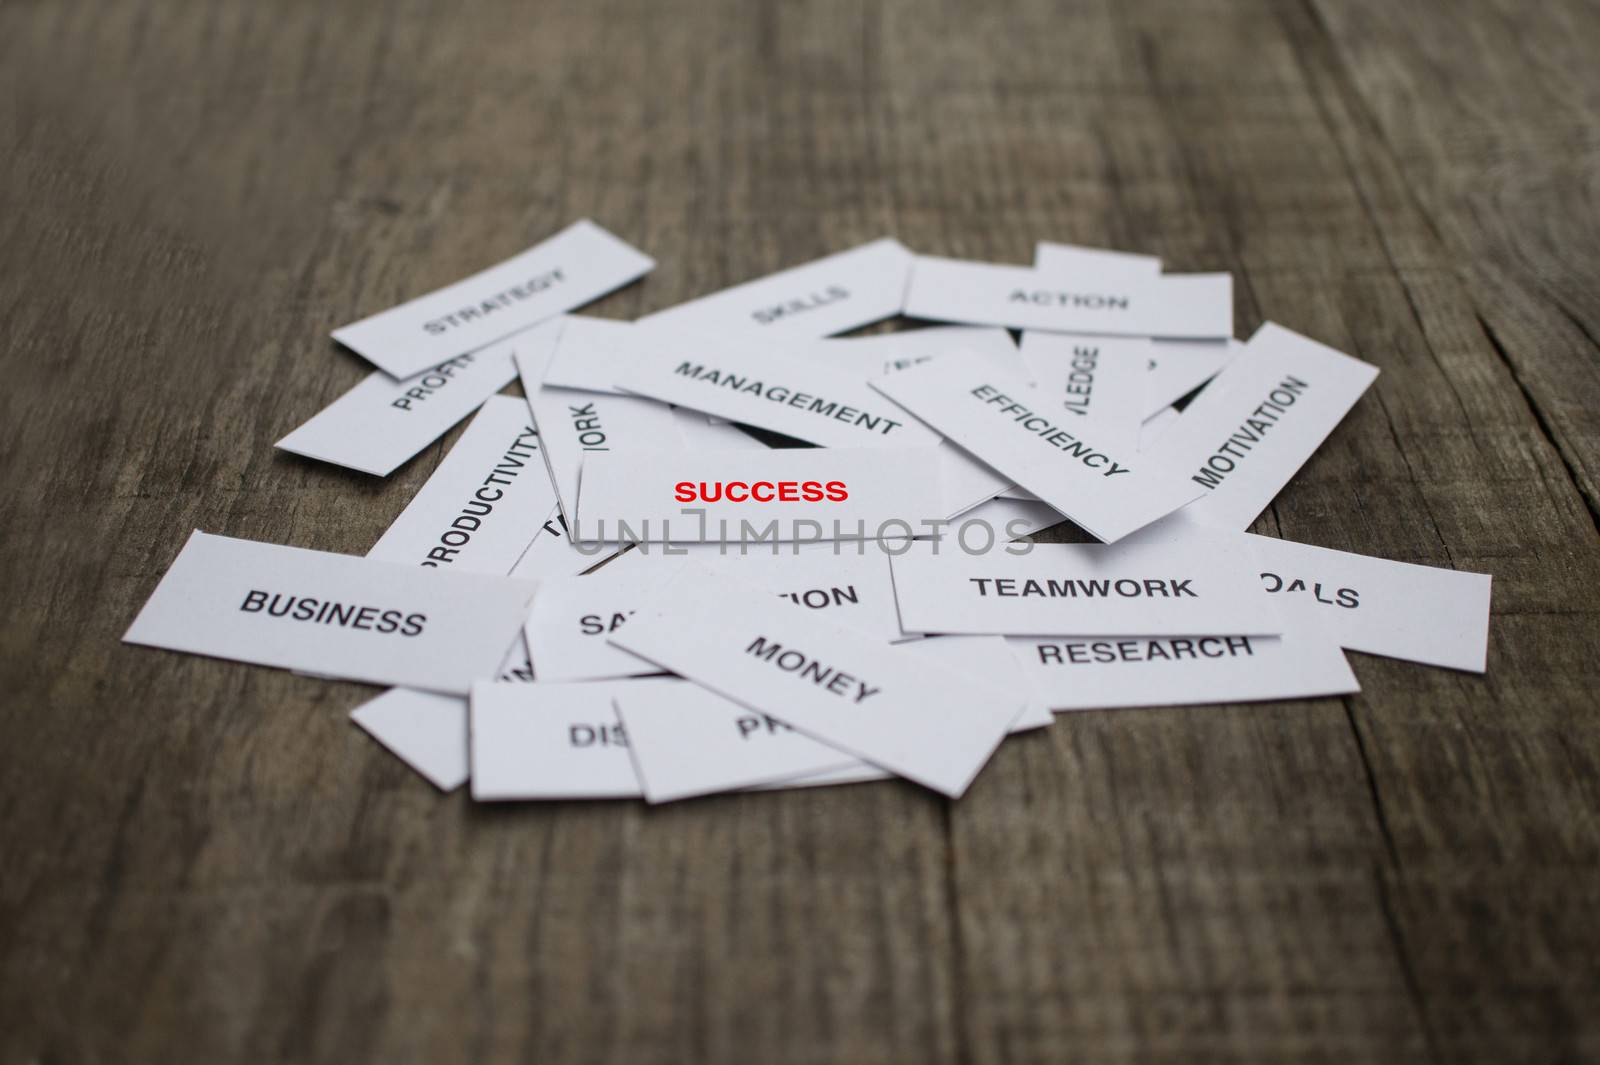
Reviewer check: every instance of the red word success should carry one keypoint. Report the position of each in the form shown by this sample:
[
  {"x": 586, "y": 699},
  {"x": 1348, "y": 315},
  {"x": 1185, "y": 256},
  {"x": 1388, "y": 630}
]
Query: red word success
[{"x": 760, "y": 491}]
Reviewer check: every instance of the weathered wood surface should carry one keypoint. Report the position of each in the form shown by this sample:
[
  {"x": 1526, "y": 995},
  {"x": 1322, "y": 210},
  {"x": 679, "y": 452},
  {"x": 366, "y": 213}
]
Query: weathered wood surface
[{"x": 206, "y": 862}]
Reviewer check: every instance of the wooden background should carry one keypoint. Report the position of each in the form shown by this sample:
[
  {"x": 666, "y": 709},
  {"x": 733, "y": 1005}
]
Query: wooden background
[{"x": 205, "y": 862}]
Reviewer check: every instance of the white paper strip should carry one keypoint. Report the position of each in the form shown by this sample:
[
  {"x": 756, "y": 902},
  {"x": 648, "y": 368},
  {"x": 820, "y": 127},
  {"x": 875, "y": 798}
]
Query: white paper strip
[
  {"x": 576, "y": 425},
  {"x": 822, "y": 679},
  {"x": 688, "y": 741},
  {"x": 1007, "y": 425},
  {"x": 1439, "y": 617},
  {"x": 381, "y": 423},
  {"x": 1252, "y": 429},
  {"x": 332, "y": 615},
  {"x": 426, "y": 731},
  {"x": 577, "y": 265},
  {"x": 820, "y": 298},
  {"x": 1090, "y": 673},
  {"x": 1203, "y": 583},
  {"x": 1178, "y": 367},
  {"x": 1196, "y": 306},
  {"x": 549, "y": 741},
  {"x": 1099, "y": 381},
  {"x": 481, "y": 507},
  {"x": 784, "y": 494},
  {"x": 845, "y": 581}
]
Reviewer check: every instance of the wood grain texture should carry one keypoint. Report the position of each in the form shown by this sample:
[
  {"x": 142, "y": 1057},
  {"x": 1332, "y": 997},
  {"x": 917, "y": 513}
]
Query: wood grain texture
[{"x": 205, "y": 862}]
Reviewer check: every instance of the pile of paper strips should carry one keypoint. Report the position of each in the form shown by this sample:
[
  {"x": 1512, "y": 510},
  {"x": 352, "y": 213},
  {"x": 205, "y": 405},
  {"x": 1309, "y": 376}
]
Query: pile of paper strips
[{"x": 848, "y": 594}]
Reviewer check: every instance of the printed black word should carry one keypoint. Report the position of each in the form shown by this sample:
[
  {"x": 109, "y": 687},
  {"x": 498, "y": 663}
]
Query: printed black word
[
  {"x": 596, "y": 736},
  {"x": 1082, "y": 653},
  {"x": 557, "y": 526},
  {"x": 499, "y": 301},
  {"x": 431, "y": 382},
  {"x": 483, "y": 499},
  {"x": 586, "y": 423},
  {"x": 896, "y": 365},
  {"x": 1091, "y": 300},
  {"x": 521, "y": 672},
  {"x": 800, "y": 664},
  {"x": 1077, "y": 589},
  {"x": 1264, "y": 417},
  {"x": 1049, "y": 433},
  {"x": 1348, "y": 598},
  {"x": 327, "y": 612},
  {"x": 817, "y": 598},
  {"x": 831, "y": 294},
  {"x": 779, "y": 394},
  {"x": 1080, "y": 379},
  {"x": 595, "y": 625},
  {"x": 753, "y": 724}
]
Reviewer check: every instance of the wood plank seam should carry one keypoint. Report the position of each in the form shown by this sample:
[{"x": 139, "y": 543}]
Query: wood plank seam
[
  {"x": 958, "y": 946},
  {"x": 1350, "y": 98},
  {"x": 1354, "y": 101},
  {"x": 1539, "y": 418}
]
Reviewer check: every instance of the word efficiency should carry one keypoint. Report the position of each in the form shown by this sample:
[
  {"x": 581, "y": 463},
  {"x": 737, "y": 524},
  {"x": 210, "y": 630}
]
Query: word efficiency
[
  {"x": 1049, "y": 432},
  {"x": 958, "y": 396}
]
